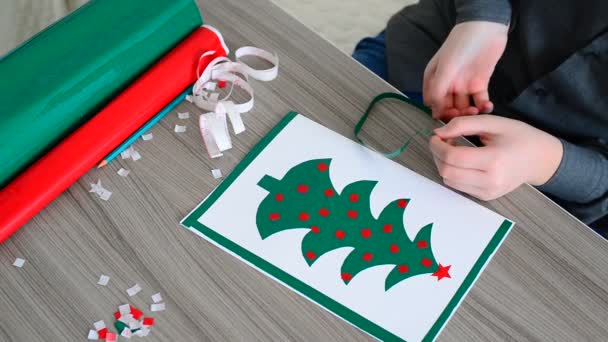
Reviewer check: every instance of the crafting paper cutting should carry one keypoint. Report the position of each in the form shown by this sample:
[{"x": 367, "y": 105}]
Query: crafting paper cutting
[
  {"x": 87, "y": 146},
  {"x": 55, "y": 81},
  {"x": 218, "y": 73},
  {"x": 306, "y": 197},
  {"x": 351, "y": 230}
]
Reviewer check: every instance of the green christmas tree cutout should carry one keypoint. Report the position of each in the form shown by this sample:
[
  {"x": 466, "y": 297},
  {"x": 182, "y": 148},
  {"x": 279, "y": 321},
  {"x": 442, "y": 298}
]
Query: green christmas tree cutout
[{"x": 306, "y": 198}]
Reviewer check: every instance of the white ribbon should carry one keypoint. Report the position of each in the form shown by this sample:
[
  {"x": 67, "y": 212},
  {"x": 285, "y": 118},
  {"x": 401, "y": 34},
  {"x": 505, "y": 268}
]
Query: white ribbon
[{"x": 205, "y": 95}]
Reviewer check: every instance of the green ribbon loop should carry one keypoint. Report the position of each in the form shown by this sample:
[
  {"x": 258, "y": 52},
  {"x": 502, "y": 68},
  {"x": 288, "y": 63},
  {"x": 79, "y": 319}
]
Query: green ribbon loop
[{"x": 395, "y": 96}]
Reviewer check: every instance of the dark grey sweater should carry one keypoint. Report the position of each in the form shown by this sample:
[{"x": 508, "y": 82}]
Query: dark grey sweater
[{"x": 553, "y": 75}]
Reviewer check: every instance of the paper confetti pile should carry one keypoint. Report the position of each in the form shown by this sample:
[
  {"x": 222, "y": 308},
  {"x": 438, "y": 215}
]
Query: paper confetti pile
[{"x": 129, "y": 320}]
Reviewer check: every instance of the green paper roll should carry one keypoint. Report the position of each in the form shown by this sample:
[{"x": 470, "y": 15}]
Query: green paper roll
[{"x": 61, "y": 77}]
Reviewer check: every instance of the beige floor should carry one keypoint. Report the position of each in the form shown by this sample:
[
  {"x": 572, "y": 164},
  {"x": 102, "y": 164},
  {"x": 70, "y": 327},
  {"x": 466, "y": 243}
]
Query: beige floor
[{"x": 343, "y": 22}]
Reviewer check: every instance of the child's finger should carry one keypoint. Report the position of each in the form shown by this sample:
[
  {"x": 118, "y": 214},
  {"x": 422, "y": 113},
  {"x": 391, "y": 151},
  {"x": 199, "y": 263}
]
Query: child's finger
[
  {"x": 472, "y": 125},
  {"x": 470, "y": 111},
  {"x": 459, "y": 175},
  {"x": 468, "y": 189},
  {"x": 460, "y": 156},
  {"x": 461, "y": 101},
  {"x": 480, "y": 99},
  {"x": 437, "y": 86},
  {"x": 488, "y": 107},
  {"x": 429, "y": 73}
]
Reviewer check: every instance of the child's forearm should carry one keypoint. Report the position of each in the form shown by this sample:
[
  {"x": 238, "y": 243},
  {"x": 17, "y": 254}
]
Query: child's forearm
[
  {"x": 581, "y": 181},
  {"x": 497, "y": 11}
]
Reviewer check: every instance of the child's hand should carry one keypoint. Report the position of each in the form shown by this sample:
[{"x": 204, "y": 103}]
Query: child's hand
[
  {"x": 513, "y": 153},
  {"x": 462, "y": 68}
]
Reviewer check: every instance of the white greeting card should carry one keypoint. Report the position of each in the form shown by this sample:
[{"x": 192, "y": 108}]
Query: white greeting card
[{"x": 380, "y": 246}]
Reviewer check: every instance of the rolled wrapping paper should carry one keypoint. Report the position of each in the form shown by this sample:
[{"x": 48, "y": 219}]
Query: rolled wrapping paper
[
  {"x": 48, "y": 177},
  {"x": 58, "y": 79}
]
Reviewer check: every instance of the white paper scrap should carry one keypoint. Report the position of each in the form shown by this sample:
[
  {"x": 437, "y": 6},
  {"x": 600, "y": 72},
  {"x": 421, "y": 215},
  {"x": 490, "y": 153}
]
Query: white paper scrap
[
  {"x": 157, "y": 307},
  {"x": 126, "y": 318},
  {"x": 157, "y": 297},
  {"x": 132, "y": 291},
  {"x": 214, "y": 97},
  {"x": 217, "y": 173},
  {"x": 103, "y": 280},
  {"x": 19, "y": 262},
  {"x": 99, "y": 190},
  {"x": 134, "y": 324},
  {"x": 183, "y": 116},
  {"x": 99, "y": 325},
  {"x": 189, "y": 98},
  {"x": 123, "y": 172},
  {"x": 135, "y": 155},
  {"x": 126, "y": 154},
  {"x": 126, "y": 333},
  {"x": 124, "y": 309},
  {"x": 105, "y": 194},
  {"x": 96, "y": 188},
  {"x": 144, "y": 331},
  {"x": 180, "y": 129},
  {"x": 93, "y": 335},
  {"x": 147, "y": 137}
]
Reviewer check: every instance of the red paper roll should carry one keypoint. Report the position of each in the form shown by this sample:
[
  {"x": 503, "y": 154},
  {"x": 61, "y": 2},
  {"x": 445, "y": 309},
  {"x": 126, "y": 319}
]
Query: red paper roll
[{"x": 46, "y": 179}]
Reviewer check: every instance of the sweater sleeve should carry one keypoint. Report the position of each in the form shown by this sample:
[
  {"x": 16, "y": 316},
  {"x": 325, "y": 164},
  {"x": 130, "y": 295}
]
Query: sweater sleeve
[
  {"x": 580, "y": 183},
  {"x": 497, "y": 11}
]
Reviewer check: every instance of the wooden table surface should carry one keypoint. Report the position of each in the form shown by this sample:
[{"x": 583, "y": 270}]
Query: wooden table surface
[{"x": 549, "y": 280}]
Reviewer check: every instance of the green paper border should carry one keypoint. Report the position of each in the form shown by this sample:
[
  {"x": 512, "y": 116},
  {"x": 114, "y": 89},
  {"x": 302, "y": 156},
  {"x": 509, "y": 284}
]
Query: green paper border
[{"x": 191, "y": 222}]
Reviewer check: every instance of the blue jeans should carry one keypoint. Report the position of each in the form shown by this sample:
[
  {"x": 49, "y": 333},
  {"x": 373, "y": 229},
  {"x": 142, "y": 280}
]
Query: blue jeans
[{"x": 371, "y": 52}]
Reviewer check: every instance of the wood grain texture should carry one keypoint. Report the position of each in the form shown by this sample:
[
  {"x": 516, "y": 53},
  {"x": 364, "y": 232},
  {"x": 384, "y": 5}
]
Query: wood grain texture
[{"x": 547, "y": 282}]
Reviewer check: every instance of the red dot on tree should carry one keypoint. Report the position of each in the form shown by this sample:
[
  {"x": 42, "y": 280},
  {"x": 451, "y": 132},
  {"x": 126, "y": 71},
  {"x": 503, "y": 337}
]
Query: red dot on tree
[
  {"x": 274, "y": 216},
  {"x": 394, "y": 249},
  {"x": 329, "y": 192},
  {"x": 402, "y": 203},
  {"x": 323, "y": 212},
  {"x": 322, "y": 167},
  {"x": 366, "y": 233},
  {"x": 340, "y": 234},
  {"x": 304, "y": 216},
  {"x": 403, "y": 269},
  {"x": 387, "y": 228},
  {"x": 354, "y": 197},
  {"x": 352, "y": 214},
  {"x": 347, "y": 277},
  {"x": 426, "y": 262},
  {"x": 368, "y": 256},
  {"x": 302, "y": 188},
  {"x": 279, "y": 197},
  {"x": 422, "y": 244},
  {"x": 315, "y": 229},
  {"x": 311, "y": 255}
]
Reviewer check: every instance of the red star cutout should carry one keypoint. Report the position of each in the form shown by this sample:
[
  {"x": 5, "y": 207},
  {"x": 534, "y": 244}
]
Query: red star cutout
[{"x": 442, "y": 272}]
